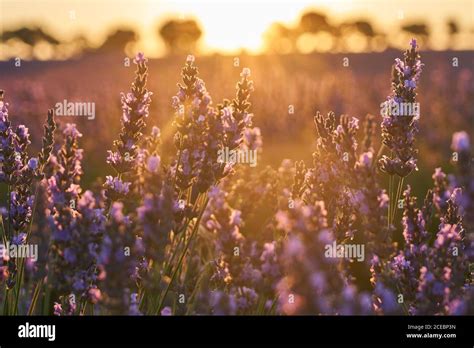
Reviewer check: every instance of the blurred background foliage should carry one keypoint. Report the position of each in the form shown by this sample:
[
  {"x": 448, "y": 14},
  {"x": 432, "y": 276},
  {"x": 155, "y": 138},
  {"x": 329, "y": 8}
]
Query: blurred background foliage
[{"x": 314, "y": 31}]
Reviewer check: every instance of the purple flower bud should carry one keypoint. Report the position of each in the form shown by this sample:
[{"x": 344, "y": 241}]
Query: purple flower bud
[
  {"x": 19, "y": 239},
  {"x": 153, "y": 164},
  {"x": 155, "y": 132},
  {"x": 365, "y": 159},
  {"x": 57, "y": 309},
  {"x": 460, "y": 142},
  {"x": 166, "y": 311},
  {"x": 140, "y": 58},
  {"x": 71, "y": 130},
  {"x": 33, "y": 163},
  {"x": 117, "y": 185}
]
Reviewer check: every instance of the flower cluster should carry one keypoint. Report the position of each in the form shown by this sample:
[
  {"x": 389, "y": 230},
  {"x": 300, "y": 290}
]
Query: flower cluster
[
  {"x": 19, "y": 172},
  {"x": 118, "y": 261},
  {"x": 464, "y": 178},
  {"x": 195, "y": 118},
  {"x": 313, "y": 283},
  {"x": 333, "y": 160},
  {"x": 77, "y": 223},
  {"x": 399, "y": 130},
  {"x": 427, "y": 277},
  {"x": 124, "y": 159},
  {"x": 242, "y": 269},
  {"x": 203, "y": 130}
]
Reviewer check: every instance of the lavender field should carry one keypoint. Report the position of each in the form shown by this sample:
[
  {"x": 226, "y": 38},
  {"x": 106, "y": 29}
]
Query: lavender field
[
  {"x": 276, "y": 186},
  {"x": 181, "y": 231}
]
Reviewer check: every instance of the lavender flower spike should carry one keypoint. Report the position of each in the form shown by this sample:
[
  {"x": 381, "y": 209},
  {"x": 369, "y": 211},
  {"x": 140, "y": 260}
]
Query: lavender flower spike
[
  {"x": 400, "y": 115},
  {"x": 125, "y": 157}
]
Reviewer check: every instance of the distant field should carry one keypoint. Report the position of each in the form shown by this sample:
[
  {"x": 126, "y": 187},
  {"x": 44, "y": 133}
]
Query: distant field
[{"x": 299, "y": 83}]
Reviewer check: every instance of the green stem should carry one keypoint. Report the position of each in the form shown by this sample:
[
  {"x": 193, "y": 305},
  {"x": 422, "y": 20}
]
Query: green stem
[
  {"x": 36, "y": 293},
  {"x": 9, "y": 208},
  {"x": 183, "y": 235},
  {"x": 83, "y": 307},
  {"x": 22, "y": 260},
  {"x": 197, "y": 287},
  {"x": 6, "y": 305},
  {"x": 382, "y": 148},
  {"x": 390, "y": 201},
  {"x": 4, "y": 233},
  {"x": 191, "y": 237},
  {"x": 399, "y": 192},
  {"x": 177, "y": 165},
  {"x": 273, "y": 307},
  {"x": 178, "y": 245},
  {"x": 6, "y": 302},
  {"x": 47, "y": 297}
]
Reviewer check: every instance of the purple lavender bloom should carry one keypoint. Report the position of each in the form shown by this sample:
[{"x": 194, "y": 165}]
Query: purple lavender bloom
[
  {"x": 67, "y": 306},
  {"x": 33, "y": 163},
  {"x": 441, "y": 191},
  {"x": 399, "y": 129},
  {"x": 311, "y": 284},
  {"x": 224, "y": 222},
  {"x": 125, "y": 159},
  {"x": 118, "y": 260},
  {"x": 464, "y": 179},
  {"x": 57, "y": 309},
  {"x": 270, "y": 267},
  {"x": 198, "y": 129},
  {"x": 253, "y": 139},
  {"x": 140, "y": 58},
  {"x": 203, "y": 130},
  {"x": 460, "y": 142},
  {"x": 166, "y": 311},
  {"x": 76, "y": 224},
  {"x": 10, "y": 145},
  {"x": 157, "y": 215},
  {"x": 116, "y": 185}
]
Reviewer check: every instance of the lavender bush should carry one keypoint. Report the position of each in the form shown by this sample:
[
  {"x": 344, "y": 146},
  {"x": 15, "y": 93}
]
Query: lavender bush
[{"x": 193, "y": 234}]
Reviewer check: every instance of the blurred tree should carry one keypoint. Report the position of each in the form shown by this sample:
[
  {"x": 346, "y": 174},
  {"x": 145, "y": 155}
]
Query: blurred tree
[
  {"x": 313, "y": 22},
  {"x": 180, "y": 36},
  {"x": 453, "y": 27},
  {"x": 419, "y": 30},
  {"x": 80, "y": 41},
  {"x": 453, "y": 30},
  {"x": 117, "y": 40},
  {"x": 30, "y": 36},
  {"x": 281, "y": 39},
  {"x": 315, "y": 32},
  {"x": 365, "y": 28},
  {"x": 361, "y": 27},
  {"x": 36, "y": 43}
]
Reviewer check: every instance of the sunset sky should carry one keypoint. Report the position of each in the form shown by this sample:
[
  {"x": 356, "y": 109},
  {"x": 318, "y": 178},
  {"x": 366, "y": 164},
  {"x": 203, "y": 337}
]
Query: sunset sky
[{"x": 228, "y": 25}]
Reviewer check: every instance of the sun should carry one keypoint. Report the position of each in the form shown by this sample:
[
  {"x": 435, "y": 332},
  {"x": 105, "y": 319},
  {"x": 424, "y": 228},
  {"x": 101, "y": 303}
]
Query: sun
[{"x": 231, "y": 25}]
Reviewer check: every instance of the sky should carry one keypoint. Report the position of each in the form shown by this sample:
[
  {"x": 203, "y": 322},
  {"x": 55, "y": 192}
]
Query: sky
[{"x": 228, "y": 25}]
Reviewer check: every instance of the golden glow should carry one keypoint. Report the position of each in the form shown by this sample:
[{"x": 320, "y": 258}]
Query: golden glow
[
  {"x": 228, "y": 25},
  {"x": 232, "y": 25}
]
